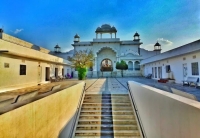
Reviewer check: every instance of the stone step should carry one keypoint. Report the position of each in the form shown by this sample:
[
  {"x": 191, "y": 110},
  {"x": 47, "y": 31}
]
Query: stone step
[
  {"x": 101, "y": 96},
  {"x": 106, "y": 137},
  {"x": 115, "y": 122},
  {"x": 114, "y": 127},
  {"x": 106, "y": 101},
  {"x": 106, "y": 107},
  {"x": 104, "y": 104},
  {"x": 106, "y": 94},
  {"x": 125, "y": 117},
  {"x": 95, "y": 112},
  {"x": 103, "y": 132}
]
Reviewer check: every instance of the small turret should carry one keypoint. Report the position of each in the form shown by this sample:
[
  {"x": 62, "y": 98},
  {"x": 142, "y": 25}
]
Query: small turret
[
  {"x": 57, "y": 49},
  {"x": 136, "y": 37},
  {"x": 157, "y": 48},
  {"x": 76, "y": 38}
]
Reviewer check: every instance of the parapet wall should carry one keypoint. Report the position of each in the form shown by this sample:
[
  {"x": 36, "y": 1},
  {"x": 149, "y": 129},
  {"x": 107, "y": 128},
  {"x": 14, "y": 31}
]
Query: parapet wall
[
  {"x": 166, "y": 115},
  {"x": 15, "y": 40},
  {"x": 43, "y": 118}
]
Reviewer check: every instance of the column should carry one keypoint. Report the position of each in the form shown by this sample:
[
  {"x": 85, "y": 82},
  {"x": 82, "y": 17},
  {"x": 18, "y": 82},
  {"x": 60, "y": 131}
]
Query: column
[
  {"x": 101, "y": 35},
  {"x": 96, "y": 35},
  {"x": 111, "y": 35},
  {"x": 115, "y": 35},
  {"x": 94, "y": 73}
]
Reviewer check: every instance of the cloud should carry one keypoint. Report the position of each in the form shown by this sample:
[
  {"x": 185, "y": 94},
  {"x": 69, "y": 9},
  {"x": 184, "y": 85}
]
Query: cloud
[
  {"x": 149, "y": 47},
  {"x": 164, "y": 41},
  {"x": 165, "y": 45},
  {"x": 18, "y": 31}
]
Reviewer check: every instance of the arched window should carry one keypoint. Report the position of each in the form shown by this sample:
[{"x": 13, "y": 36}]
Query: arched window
[
  {"x": 130, "y": 65},
  {"x": 137, "y": 65}
]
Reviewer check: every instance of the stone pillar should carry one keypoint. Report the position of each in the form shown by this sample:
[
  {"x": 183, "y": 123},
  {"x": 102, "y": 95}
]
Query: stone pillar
[
  {"x": 111, "y": 35},
  {"x": 101, "y": 35},
  {"x": 115, "y": 35},
  {"x": 94, "y": 72},
  {"x": 96, "y": 35}
]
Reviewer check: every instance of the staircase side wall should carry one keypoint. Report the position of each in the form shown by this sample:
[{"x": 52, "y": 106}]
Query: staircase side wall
[{"x": 166, "y": 115}]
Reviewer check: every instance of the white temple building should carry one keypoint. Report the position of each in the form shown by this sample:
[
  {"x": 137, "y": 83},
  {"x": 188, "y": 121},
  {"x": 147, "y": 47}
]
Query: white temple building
[{"x": 108, "y": 51}]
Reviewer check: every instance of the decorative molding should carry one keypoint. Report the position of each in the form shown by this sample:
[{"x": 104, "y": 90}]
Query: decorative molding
[{"x": 114, "y": 50}]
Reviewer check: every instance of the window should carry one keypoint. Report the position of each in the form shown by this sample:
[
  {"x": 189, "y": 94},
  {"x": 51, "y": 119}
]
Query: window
[
  {"x": 137, "y": 65},
  {"x": 195, "y": 68},
  {"x": 22, "y": 70}
]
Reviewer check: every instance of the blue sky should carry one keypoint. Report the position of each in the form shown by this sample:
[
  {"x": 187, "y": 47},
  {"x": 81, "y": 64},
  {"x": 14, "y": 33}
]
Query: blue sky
[{"x": 48, "y": 22}]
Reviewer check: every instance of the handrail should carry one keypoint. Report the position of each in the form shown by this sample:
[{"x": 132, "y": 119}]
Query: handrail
[
  {"x": 77, "y": 113},
  {"x": 136, "y": 112}
]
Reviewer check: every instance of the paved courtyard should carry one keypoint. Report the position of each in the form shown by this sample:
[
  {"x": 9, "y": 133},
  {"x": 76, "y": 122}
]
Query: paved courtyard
[
  {"x": 154, "y": 83},
  {"x": 97, "y": 86}
]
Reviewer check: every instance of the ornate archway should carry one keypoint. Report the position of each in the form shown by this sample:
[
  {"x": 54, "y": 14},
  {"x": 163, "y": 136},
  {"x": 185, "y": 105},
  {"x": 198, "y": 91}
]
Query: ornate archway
[{"x": 106, "y": 65}]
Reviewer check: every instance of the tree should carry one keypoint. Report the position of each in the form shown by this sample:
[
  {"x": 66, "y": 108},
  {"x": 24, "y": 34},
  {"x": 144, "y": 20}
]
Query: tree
[
  {"x": 81, "y": 60},
  {"x": 121, "y": 66}
]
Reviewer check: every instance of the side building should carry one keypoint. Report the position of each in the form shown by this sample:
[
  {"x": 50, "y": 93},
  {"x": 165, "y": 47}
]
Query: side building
[
  {"x": 178, "y": 63},
  {"x": 24, "y": 64}
]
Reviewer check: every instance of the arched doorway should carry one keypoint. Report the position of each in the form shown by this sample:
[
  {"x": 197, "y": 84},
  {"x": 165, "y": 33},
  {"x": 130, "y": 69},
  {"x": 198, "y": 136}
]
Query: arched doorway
[
  {"x": 106, "y": 65},
  {"x": 130, "y": 65},
  {"x": 137, "y": 65},
  {"x": 103, "y": 54}
]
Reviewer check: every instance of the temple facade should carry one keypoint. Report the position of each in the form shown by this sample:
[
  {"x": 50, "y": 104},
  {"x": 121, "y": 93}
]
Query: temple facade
[{"x": 108, "y": 51}]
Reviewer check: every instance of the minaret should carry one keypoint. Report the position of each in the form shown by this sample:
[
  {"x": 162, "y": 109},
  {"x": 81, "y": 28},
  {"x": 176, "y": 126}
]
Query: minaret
[
  {"x": 1, "y": 33},
  {"x": 57, "y": 49},
  {"x": 157, "y": 48},
  {"x": 137, "y": 39},
  {"x": 76, "y": 38}
]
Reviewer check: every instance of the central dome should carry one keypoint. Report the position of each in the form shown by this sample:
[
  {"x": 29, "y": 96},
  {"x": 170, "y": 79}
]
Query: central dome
[{"x": 106, "y": 28}]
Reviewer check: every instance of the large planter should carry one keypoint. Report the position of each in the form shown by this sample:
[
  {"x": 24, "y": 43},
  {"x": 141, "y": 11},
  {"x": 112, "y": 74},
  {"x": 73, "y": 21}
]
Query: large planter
[{"x": 82, "y": 72}]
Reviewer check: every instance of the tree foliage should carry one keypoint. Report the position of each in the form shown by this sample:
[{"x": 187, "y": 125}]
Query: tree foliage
[
  {"x": 82, "y": 59},
  {"x": 121, "y": 66}
]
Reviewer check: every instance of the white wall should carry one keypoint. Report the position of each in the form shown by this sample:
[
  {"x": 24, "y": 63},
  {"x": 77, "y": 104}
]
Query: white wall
[
  {"x": 176, "y": 66},
  {"x": 166, "y": 115}
]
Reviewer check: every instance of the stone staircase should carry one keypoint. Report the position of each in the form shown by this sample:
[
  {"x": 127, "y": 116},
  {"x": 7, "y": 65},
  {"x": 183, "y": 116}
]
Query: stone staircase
[{"x": 107, "y": 116}]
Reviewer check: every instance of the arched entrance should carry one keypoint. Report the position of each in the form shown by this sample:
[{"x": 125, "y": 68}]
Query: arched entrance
[
  {"x": 106, "y": 53},
  {"x": 106, "y": 65}
]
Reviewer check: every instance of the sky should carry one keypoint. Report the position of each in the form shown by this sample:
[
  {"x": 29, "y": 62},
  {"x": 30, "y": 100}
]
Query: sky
[{"x": 46, "y": 23}]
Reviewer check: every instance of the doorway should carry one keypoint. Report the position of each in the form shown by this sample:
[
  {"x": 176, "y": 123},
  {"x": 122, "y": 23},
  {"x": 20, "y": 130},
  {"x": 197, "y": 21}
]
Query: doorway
[
  {"x": 63, "y": 71},
  {"x": 160, "y": 72},
  {"x": 47, "y": 74},
  {"x": 56, "y": 72},
  {"x": 184, "y": 71}
]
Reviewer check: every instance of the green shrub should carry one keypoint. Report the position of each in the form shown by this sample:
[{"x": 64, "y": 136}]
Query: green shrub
[{"x": 82, "y": 72}]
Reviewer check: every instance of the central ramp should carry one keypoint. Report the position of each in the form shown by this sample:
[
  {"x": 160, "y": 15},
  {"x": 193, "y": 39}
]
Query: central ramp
[{"x": 107, "y": 115}]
